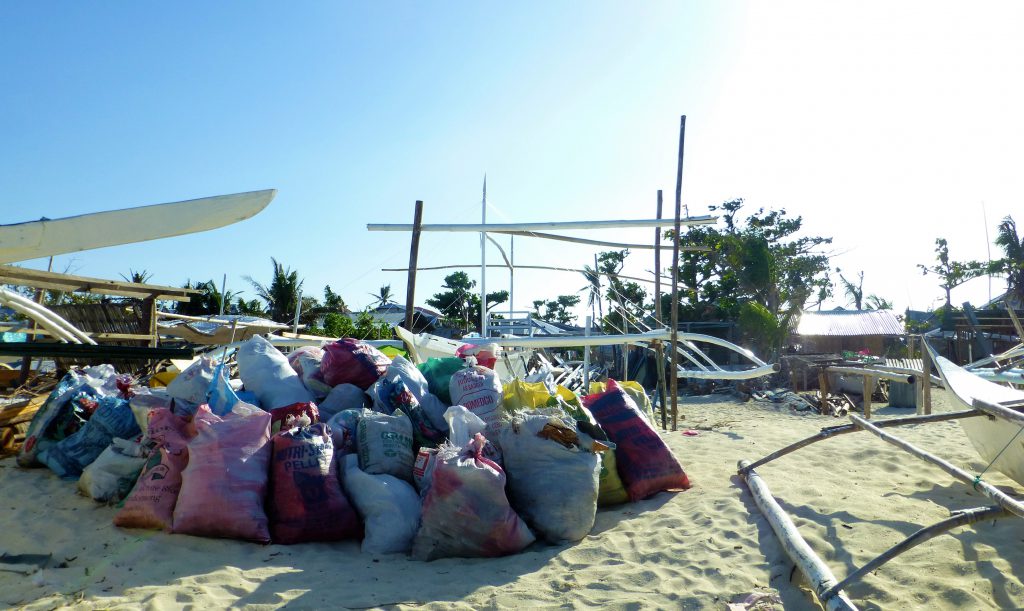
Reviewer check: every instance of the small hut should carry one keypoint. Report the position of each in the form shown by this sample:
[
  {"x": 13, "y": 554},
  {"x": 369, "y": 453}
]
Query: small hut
[{"x": 836, "y": 331}]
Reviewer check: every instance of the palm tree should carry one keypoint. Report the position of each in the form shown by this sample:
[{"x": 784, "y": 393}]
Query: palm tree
[
  {"x": 384, "y": 297},
  {"x": 854, "y": 291},
  {"x": 140, "y": 277},
  {"x": 594, "y": 296},
  {"x": 1013, "y": 263},
  {"x": 282, "y": 294}
]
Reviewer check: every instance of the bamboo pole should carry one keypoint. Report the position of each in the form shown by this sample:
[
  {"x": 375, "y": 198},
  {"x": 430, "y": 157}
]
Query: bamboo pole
[
  {"x": 1001, "y": 498},
  {"x": 818, "y": 574},
  {"x": 842, "y": 429},
  {"x": 414, "y": 253},
  {"x": 659, "y": 350},
  {"x": 958, "y": 519},
  {"x": 675, "y": 276}
]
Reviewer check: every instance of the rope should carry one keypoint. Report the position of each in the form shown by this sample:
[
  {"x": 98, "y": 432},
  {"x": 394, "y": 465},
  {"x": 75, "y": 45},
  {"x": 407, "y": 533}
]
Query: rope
[{"x": 977, "y": 478}]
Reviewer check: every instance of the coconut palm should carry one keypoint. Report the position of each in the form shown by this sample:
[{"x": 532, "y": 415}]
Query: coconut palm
[
  {"x": 282, "y": 294},
  {"x": 594, "y": 295},
  {"x": 854, "y": 291},
  {"x": 1012, "y": 265},
  {"x": 383, "y": 297}
]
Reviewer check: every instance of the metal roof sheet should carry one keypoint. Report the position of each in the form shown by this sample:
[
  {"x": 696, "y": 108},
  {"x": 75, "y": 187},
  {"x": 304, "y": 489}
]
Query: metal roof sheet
[{"x": 848, "y": 323}]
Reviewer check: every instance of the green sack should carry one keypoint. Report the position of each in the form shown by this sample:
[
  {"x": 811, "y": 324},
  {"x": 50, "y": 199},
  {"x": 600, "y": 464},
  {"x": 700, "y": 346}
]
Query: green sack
[
  {"x": 610, "y": 491},
  {"x": 438, "y": 373}
]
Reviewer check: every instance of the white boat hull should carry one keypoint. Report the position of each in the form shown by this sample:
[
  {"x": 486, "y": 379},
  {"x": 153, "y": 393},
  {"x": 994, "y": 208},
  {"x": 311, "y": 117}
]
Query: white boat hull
[
  {"x": 44, "y": 238},
  {"x": 989, "y": 436}
]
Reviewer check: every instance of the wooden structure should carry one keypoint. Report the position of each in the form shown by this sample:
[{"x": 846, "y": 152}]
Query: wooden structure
[
  {"x": 838, "y": 331},
  {"x": 130, "y": 323}
]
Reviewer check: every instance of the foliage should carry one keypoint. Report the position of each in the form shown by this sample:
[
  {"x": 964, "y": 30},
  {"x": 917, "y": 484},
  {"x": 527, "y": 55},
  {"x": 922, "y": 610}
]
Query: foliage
[
  {"x": 625, "y": 298},
  {"x": 756, "y": 259},
  {"x": 765, "y": 330},
  {"x": 252, "y": 307},
  {"x": 459, "y": 304},
  {"x": 333, "y": 302},
  {"x": 952, "y": 273},
  {"x": 139, "y": 277},
  {"x": 383, "y": 297},
  {"x": 207, "y": 302},
  {"x": 364, "y": 327},
  {"x": 282, "y": 294},
  {"x": 854, "y": 291},
  {"x": 1012, "y": 264},
  {"x": 557, "y": 310}
]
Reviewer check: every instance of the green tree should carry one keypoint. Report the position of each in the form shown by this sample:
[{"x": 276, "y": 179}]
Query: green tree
[
  {"x": 333, "y": 302},
  {"x": 1012, "y": 264},
  {"x": 593, "y": 288},
  {"x": 754, "y": 259},
  {"x": 383, "y": 297},
  {"x": 854, "y": 291},
  {"x": 952, "y": 273},
  {"x": 282, "y": 294},
  {"x": 878, "y": 303},
  {"x": 207, "y": 301},
  {"x": 557, "y": 309},
  {"x": 252, "y": 307},
  {"x": 456, "y": 300},
  {"x": 626, "y": 299}
]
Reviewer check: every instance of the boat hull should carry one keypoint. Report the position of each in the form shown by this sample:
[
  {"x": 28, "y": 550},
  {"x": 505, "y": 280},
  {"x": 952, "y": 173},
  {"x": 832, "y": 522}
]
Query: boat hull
[{"x": 996, "y": 441}]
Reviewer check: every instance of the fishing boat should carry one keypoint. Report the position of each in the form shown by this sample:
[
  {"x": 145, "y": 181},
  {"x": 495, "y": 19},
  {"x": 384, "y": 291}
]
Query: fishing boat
[{"x": 996, "y": 439}]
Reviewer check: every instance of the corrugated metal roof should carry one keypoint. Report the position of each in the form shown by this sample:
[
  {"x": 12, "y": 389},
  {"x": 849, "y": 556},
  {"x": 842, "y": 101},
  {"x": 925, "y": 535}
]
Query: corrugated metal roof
[{"x": 847, "y": 323}]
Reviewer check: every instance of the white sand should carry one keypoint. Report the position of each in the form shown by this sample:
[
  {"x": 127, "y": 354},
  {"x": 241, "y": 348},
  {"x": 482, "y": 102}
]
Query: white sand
[{"x": 852, "y": 497}]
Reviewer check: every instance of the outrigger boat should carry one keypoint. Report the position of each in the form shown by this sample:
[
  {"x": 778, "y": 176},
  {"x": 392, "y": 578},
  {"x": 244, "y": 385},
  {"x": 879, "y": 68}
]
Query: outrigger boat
[{"x": 993, "y": 420}]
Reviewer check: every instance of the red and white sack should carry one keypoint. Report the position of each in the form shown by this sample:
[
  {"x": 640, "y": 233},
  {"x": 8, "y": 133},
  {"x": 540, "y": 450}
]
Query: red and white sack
[
  {"x": 479, "y": 390},
  {"x": 350, "y": 361},
  {"x": 465, "y": 511},
  {"x": 306, "y": 362},
  {"x": 151, "y": 502},
  {"x": 225, "y": 482},
  {"x": 306, "y": 502}
]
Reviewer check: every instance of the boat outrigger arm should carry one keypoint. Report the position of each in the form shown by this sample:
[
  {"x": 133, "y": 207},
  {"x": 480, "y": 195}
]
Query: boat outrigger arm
[
  {"x": 704, "y": 368},
  {"x": 47, "y": 237}
]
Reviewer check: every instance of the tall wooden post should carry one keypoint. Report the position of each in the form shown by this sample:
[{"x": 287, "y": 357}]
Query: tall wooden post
[
  {"x": 868, "y": 389},
  {"x": 414, "y": 251},
  {"x": 657, "y": 346},
  {"x": 675, "y": 277},
  {"x": 926, "y": 371}
]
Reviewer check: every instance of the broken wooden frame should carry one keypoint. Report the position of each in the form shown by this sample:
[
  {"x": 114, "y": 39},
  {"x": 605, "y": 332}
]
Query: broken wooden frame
[{"x": 828, "y": 589}]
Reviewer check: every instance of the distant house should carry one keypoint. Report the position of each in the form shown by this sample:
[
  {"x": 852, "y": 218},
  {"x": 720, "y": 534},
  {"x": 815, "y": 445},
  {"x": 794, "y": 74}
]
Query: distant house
[
  {"x": 835, "y": 331},
  {"x": 423, "y": 319}
]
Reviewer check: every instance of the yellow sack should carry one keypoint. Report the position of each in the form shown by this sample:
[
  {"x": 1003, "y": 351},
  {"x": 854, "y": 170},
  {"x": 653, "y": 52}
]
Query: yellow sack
[
  {"x": 159, "y": 380},
  {"x": 518, "y": 395},
  {"x": 611, "y": 490},
  {"x": 635, "y": 391}
]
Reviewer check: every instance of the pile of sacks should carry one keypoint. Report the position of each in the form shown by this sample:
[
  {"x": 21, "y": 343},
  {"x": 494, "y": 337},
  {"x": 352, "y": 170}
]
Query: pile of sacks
[{"x": 341, "y": 442}]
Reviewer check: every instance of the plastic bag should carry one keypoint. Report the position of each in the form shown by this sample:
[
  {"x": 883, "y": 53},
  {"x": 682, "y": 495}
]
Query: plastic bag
[
  {"x": 478, "y": 389},
  {"x": 552, "y": 476},
  {"x": 192, "y": 384},
  {"x": 142, "y": 404},
  {"x": 111, "y": 417},
  {"x": 415, "y": 383},
  {"x": 645, "y": 463},
  {"x": 306, "y": 502},
  {"x": 54, "y": 421},
  {"x": 390, "y": 509},
  {"x": 266, "y": 372},
  {"x": 151, "y": 502},
  {"x": 392, "y": 394},
  {"x": 343, "y": 397},
  {"x": 385, "y": 444},
  {"x": 438, "y": 373},
  {"x": 225, "y": 482},
  {"x": 299, "y": 414},
  {"x": 350, "y": 361},
  {"x": 306, "y": 362},
  {"x": 465, "y": 510},
  {"x": 344, "y": 427},
  {"x": 111, "y": 476}
]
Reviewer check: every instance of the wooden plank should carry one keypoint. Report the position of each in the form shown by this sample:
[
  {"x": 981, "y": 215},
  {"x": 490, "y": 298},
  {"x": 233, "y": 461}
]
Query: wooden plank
[
  {"x": 414, "y": 253},
  {"x": 10, "y": 274},
  {"x": 96, "y": 336},
  {"x": 926, "y": 374},
  {"x": 22, "y": 411},
  {"x": 868, "y": 389}
]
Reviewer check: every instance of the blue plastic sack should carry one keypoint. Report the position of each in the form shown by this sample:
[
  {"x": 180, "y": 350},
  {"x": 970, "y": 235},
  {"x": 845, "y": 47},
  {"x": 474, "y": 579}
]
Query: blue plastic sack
[{"x": 112, "y": 418}]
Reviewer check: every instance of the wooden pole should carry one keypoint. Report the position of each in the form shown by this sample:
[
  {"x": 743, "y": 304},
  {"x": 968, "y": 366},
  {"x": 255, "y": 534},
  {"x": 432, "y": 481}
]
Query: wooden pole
[
  {"x": 675, "y": 276},
  {"x": 414, "y": 251},
  {"x": 659, "y": 349},
  {"x": 926, "y": 370},
  {"x": 868, "y": 389},
  {"x": 823, "y": 385}
]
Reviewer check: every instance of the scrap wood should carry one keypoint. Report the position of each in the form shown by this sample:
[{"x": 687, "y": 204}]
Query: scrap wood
[{"x": 20, "y": 411}]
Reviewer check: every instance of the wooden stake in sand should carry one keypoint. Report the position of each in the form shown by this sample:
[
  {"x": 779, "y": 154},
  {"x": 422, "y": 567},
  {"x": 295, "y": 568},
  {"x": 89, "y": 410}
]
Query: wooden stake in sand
[
  {"x": 659, "y": 350},
  {"x": 414, "y": 253},
  {"x": 675, "y": 276}
]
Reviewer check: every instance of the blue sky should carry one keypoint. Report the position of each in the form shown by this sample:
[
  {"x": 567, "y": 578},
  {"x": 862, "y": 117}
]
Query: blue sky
[{"x": 884, "y": 127}]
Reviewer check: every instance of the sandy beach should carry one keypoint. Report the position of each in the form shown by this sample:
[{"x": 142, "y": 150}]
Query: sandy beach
[{"x": 851, "y": 497}]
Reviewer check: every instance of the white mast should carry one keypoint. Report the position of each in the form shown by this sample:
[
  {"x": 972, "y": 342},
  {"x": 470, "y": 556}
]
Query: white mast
[{"x": 483, "y": 263}]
